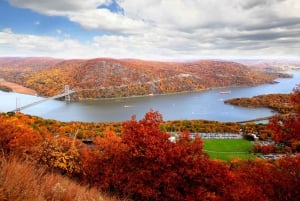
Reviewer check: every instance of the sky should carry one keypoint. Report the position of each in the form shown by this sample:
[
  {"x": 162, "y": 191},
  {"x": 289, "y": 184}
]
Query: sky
[{"x": 151, "y": 29}]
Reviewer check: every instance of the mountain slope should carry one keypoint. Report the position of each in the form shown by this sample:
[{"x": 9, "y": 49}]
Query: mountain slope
[{"x": 104, "y": 77}]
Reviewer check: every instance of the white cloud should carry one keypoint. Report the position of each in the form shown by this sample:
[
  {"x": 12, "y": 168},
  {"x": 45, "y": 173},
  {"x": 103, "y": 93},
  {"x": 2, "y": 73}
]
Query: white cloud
[
  {"x": 151, "y": 45},
  {"x": 13, "y": 44},
  {"x": 189, "y": 15},
  {"x": 167, "y": 29},
  {"x": 56, "y": 6},
  {"x": 86, "y": 13},
  {"x": 103, "y": 19}
]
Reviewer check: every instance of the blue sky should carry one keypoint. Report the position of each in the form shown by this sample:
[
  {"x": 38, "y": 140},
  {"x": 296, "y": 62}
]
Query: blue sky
[
  {"x": 150, "y": 29},
  {"x": 26, "y": 21}
]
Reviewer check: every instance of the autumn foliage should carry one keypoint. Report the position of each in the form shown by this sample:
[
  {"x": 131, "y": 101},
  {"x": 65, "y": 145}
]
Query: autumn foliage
[
  {"x": 22, "y": 180},
  {"x": 141, "y": 163},
  {"x": 265, "y": 149},
  {"x": 104, "y": 77},
  {"x": 277, "y": 102},
  {"x": 286, "y": 129},
  {"x": 16, "y": 137},
  {"x": 266, "y": 180}
]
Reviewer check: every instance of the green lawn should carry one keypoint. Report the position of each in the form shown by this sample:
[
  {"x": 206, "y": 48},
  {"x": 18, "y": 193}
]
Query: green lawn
[{"x": 228, "y": 149}]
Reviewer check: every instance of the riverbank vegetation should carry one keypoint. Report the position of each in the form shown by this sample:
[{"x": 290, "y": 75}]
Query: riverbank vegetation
[
  {"x": 13, "y": 87},
  {"x": 278, "y": 102},
  {"x": 5, "y": 88},
  {"x": 90, "y": 130}
]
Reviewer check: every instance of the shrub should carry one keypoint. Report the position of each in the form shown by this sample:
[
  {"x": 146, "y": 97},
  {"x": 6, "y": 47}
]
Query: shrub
[{"x": 22, "y": 181}]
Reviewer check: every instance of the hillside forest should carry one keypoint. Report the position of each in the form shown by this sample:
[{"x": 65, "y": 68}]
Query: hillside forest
[{"x": 108, "y": 78}]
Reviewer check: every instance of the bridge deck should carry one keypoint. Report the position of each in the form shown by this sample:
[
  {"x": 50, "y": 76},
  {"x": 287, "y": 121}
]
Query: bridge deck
[
  {"x": 257, "y": 119},
  {"x": 44, "y": 100}
]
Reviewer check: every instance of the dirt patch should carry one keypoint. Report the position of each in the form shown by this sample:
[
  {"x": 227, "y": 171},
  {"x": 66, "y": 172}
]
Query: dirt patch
[{"x": 18, "y": 88}]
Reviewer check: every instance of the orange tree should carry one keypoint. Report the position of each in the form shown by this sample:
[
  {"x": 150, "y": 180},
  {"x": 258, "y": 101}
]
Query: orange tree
[
  {"x": 61, "y": 154},
  {"x": 16, "y": 137}
]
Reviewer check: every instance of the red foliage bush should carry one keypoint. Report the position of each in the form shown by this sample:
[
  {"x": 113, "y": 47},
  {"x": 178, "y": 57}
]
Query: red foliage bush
[
  {"x": 145, "y": 165},
  {"x": 265, "y": 149}
]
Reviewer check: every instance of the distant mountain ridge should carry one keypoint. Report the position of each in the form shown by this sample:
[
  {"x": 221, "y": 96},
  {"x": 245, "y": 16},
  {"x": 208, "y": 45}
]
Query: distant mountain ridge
[{"x": 107, "y": 78}]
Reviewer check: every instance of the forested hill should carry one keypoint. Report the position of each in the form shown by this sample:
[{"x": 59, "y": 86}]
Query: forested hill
[{"x": 105, "y": 77}]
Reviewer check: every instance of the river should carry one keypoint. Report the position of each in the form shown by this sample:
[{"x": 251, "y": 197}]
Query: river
[{"x": 195, "y": 105}]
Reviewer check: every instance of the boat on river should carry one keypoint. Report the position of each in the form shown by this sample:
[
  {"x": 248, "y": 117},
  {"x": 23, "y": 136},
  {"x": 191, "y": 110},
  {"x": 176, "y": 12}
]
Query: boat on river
[{"x": 225, "y": 92}]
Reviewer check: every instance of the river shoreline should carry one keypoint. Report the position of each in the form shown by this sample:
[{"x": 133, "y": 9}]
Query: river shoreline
[
  {"x": 287, "y": 76},
  {"x": 18, "y": 88},
  {"x": 24, "y": 90},
  {"x": 173, "y": 93}
]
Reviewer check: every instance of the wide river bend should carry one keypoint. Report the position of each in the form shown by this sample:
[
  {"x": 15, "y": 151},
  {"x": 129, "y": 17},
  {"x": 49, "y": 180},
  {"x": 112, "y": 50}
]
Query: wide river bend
[{"x": 195, "y": 105}]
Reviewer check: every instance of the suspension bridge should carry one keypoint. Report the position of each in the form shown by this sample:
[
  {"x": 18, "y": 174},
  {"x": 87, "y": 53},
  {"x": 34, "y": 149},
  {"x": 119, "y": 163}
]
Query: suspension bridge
[
  {"x": 257, "y": 119},
  {"x": 66, "y": 94}
]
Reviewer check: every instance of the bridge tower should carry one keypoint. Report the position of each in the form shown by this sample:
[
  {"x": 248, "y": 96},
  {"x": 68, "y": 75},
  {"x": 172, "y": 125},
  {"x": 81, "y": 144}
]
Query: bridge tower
[
  {"x": 67, "y": 92},
  {"x": 18, "y": 104}
]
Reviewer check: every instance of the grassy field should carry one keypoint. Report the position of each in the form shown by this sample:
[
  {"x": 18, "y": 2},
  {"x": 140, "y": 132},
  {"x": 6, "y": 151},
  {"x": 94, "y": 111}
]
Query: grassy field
[{"x": 228, "y": 149}]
